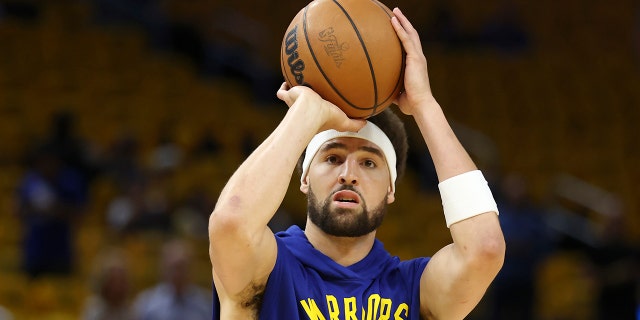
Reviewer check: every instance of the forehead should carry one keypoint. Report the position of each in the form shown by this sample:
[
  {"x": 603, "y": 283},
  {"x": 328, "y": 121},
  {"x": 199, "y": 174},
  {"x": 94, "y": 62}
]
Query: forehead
[{"x": 351, "y": 144}]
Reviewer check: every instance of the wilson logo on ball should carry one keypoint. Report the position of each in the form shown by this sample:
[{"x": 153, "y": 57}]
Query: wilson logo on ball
[{"x": 296, "y": 65}]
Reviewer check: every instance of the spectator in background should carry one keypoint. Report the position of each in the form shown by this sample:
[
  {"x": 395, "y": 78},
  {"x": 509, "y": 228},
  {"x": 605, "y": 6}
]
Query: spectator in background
[
  {"x": 167, "y": 155},
  {"x": 142, "y": 206},
  {"x": 124, "y": 207},
  {"x": 529, "y": 242},
  {"x": 122, "y": 161},
  {"x": 142, "y": 203},
  {"x": 75, "y": 152},
  {"x": 175, "y": 296},
  {"x": 110, "y": 298},
  {"x": 51, "y": 197},
  {"x": 191, "y": 218}
]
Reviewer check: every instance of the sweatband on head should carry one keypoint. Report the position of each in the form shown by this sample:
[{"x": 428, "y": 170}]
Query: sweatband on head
[
  {"x": 466, "y": 195},
  {"x": 369, "y": 132}
]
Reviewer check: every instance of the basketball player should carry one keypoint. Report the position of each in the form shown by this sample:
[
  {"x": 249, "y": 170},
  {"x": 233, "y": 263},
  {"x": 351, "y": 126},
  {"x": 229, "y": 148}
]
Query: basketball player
[{"x": 335, "y": 268}]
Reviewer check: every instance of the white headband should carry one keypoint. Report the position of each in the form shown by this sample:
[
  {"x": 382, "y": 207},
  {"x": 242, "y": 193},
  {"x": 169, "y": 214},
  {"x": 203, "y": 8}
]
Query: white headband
[{"x": 369, "y": 132}]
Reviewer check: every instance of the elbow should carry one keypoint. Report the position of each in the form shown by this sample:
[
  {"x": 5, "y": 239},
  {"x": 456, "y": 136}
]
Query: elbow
[
  {"x": 480, "y": 242},
  {"x": 215, "y": 227},
  {"x": 223, "y": 224},
  {"x": 231, "y": 221},
  {"x": 494, "y": 249},
  {"x": 226, "y": 216},
  {"x": 488, "y": 253}
]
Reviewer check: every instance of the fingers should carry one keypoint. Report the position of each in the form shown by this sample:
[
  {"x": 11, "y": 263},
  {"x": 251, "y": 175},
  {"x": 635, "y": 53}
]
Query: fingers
[
  {"x": 406, "y": 32},
  {"x": 333, "y": 117},
  {"x": 282, "y": 92},
  {"x": 403, "y": 20}
]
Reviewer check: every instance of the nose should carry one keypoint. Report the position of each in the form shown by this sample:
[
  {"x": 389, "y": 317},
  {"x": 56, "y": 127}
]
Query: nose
[{"x": 348, "y": 174}]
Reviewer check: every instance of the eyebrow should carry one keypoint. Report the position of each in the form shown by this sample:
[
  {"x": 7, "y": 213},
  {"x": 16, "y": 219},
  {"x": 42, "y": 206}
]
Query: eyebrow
[{"x": 339, "y": 145}]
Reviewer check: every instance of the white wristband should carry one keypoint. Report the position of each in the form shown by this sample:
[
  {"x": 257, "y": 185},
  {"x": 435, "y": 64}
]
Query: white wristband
[{"x": 465, "y": 196}]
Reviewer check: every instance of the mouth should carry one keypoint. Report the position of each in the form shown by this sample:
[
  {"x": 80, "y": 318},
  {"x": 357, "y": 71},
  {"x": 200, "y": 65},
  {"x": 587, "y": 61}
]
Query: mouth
[{"x": 346, "y": 198}]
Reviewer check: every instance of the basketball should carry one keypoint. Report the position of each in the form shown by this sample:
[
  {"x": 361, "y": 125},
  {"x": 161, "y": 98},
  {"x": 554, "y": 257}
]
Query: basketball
[{"x": 348, "y": 52}]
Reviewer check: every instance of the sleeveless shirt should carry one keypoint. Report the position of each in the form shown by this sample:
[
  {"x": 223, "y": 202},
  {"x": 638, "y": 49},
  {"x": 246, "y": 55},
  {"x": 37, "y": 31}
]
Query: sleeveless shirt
[{"x": 306, "y": 284}]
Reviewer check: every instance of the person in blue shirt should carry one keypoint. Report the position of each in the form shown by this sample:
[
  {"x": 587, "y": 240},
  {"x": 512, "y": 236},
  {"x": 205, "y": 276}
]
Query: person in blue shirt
[{"x": 336, "y": 268}]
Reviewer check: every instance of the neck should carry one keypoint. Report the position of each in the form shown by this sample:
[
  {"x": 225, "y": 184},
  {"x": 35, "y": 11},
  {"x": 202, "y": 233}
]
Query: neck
[{"x": 343, "y": 250}]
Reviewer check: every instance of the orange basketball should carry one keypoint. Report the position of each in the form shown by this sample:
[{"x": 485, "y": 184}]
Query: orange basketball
[{"x": 348, "y": 52}]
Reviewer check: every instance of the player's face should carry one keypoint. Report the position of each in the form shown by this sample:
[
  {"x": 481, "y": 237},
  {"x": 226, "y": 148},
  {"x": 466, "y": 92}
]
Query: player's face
[{"x": 348, "y": 187}]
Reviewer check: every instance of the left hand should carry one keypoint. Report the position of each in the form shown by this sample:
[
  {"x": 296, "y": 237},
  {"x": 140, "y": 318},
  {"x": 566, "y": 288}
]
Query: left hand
[{"x": 417, "y": 89}]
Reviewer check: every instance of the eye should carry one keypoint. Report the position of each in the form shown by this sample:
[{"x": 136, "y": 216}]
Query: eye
[
  {"x": 369, "y": 163},
  {"x": 333, "y": 159}
]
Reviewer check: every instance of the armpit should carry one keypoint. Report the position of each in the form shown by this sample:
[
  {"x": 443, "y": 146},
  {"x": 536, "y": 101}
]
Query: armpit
[{"x": 251, "y": 298}]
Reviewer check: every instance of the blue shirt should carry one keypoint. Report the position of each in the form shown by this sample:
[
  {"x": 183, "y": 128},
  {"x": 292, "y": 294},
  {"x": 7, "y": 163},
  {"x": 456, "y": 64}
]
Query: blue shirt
[{"x": 306, "y": 284}]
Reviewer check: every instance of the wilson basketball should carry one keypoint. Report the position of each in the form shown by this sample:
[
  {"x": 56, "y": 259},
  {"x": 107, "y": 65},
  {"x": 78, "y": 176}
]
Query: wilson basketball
[{"x": 348, "y": 52}]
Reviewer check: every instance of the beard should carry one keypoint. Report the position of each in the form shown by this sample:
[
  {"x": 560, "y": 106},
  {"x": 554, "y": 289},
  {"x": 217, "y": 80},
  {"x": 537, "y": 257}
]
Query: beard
[{"x": 343, "y": 222}]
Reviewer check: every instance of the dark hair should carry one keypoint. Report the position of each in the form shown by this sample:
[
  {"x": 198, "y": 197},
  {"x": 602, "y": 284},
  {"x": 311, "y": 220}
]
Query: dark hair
[{"x": 393, "y": 127}]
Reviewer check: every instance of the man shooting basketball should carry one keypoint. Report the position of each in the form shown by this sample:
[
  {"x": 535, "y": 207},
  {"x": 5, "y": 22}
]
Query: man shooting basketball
[{"x": 335, "y": 268}]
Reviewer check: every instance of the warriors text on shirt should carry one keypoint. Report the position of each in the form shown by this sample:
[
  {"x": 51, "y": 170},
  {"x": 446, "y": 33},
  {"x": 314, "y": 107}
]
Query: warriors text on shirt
[{"x": 375, "y": 308}]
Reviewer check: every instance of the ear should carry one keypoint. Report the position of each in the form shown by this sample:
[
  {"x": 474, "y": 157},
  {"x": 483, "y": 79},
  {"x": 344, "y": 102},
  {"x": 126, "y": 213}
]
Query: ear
[
  {"x": 304, "y": 185},
  {"x": 391, "y": 196}
]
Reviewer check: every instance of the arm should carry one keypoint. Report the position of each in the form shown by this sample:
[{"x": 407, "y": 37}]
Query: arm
[
  {"x": 242, "y": 248},
  {"x": 458, "y": 275}
]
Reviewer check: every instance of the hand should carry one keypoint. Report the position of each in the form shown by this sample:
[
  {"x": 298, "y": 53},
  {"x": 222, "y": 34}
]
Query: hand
[
  {"x": 417, "y": 89},
  {"x": 328, "y": 114}
]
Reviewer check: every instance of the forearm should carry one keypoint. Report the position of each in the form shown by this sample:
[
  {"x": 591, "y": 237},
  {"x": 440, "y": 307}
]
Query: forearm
[
  {"x": 458, "y": 275},
  {"x": 449, "y": 156},
  {"x": 257, "y": 188},
  {"x": 481, "y": 235}
]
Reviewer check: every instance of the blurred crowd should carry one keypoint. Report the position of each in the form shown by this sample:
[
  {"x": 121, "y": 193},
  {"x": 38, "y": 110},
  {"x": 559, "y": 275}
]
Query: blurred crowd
[
  {"x": 61, "y": 167},
  {"x": 53, "y": 196}
]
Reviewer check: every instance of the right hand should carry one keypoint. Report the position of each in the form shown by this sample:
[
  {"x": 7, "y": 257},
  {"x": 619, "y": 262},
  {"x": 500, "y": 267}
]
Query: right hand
[{"x": 327, "y": 113}]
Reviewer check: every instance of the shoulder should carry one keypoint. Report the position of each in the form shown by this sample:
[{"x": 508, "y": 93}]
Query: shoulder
[
  {"x": 414, "y": 265},
  {"x": 408, "y": 272}
]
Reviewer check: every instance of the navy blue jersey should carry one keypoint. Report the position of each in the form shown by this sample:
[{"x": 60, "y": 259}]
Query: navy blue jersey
[{"x": 306, "y": 284}]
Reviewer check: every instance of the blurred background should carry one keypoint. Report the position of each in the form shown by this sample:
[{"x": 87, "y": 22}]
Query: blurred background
[{"x": 121, "y": 120}]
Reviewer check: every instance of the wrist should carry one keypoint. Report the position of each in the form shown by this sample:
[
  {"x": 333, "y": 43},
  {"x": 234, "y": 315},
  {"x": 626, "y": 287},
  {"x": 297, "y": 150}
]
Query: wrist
[
  {"x": 306, "y": 115},
  {"x": 466, "y": 195}
]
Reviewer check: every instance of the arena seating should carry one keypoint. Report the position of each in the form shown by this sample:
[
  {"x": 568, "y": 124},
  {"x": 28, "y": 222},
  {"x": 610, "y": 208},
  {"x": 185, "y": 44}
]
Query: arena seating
[{"x": 566, "y": 105}]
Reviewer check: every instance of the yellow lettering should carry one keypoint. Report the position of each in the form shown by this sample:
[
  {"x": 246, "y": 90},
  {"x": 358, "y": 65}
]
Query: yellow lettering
[
  {"x": 385, "y": 309},
  {"x": 377, "y": 308},
  {"x": 403, "y": 307},
  {"x": 332, "y": 304},
  {"x": 374, "y": 305},
  {"x": 350, "y": 309},
  {"x": 311, "y": 308}
]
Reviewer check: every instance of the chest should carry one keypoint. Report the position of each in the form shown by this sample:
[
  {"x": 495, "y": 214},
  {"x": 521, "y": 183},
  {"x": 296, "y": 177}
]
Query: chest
[{"x": 313, "y": 297}]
